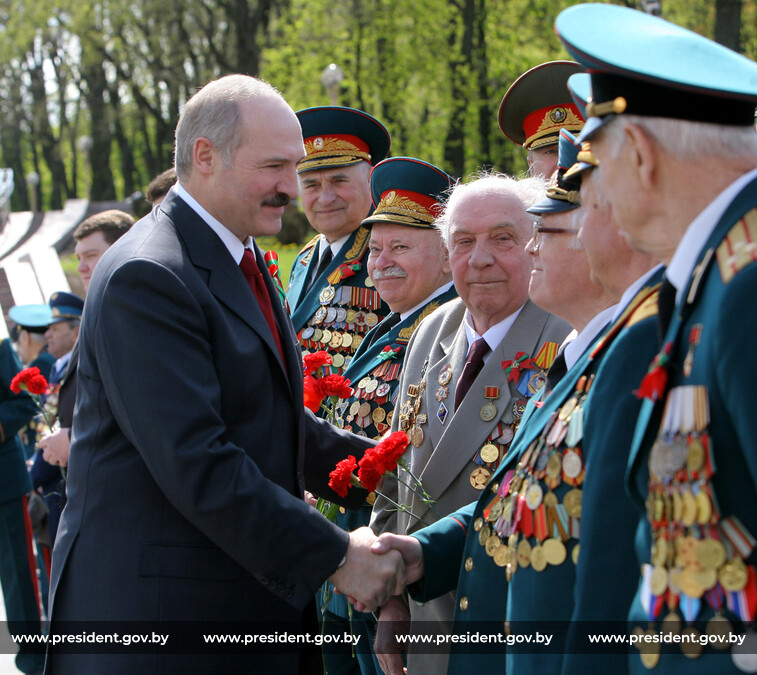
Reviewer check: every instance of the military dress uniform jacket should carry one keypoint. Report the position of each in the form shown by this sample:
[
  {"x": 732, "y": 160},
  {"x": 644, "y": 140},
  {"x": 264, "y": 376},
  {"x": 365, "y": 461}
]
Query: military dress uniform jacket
[
  {"x": 445, "y": 453},
  {"x": 185, "y": 482},
  {"x": 342, "y": 305},
  {"x": 485, "y": 599},
  {"x": 711, "y": 358}
]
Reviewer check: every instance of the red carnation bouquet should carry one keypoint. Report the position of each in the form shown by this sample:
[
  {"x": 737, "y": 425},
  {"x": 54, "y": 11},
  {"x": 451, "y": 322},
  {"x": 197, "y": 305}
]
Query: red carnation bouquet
[
  {"x": 318, "y": 389},
  {"x": 32, "y": 381},
  {"x": 381, "y": 460}
]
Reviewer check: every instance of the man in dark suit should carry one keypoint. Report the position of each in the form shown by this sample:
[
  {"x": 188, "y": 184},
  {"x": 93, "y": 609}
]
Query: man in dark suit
[{"x": 188, "y": 458}]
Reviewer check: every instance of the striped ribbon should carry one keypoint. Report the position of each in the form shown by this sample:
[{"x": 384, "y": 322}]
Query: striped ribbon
[{"x": 272, "y": 262}]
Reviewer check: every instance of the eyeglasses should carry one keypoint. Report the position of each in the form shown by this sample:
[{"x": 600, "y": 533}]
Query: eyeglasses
[{"x": 540, "y": 229}]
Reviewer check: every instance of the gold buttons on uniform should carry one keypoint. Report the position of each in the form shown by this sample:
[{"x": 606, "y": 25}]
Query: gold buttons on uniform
[
  {"x": 464, "y": 603},
  {"x": 468, "y": 564}
]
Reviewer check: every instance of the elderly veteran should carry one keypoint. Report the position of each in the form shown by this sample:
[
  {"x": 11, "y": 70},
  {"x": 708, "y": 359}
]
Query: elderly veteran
[
  {"x": 522, "y": 535},
  {"x": 332, "y": 301},
  {"x": 470, "y": 368},
  {"x": 671, "y": 123},
  {"x": 535, "y": 108},
  {"x": 409, "y": 266}
]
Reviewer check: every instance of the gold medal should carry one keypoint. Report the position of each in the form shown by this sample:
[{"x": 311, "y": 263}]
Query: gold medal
[
  {"x": 710, "y": 553},
  {"x": 478, "y": 524},
  {"x": 378, "y": 415},
  {"x": 495, "y": 511},
  {"x": 534, "y": 496},
  {"x": 483, "y": 534},
  {"x": 705, "y": 579},
  {"x": 354, "y": 408},
  {"x": 554, "y": 465},
  {"x": 445, "y": 375},
  {"x": 688, "y": 584},
  {"x": 364, "y": 410},
  {"x": 371, "y": 319},
  {"x": 346, "y": 340},
  {"x": 689, "y": 514},
  {"x": 704, "y": 507},
  {"x": 733, "y": 575},
  {"x": 417, "y": 437},
  {"x": 317, "y": 333},
  {"x": 493, "y": 542},
  {"x": 502, "y": 556},
  {"x": 479, "y": 477},
  {"x": 337, "y": 360},
  {"x": 336, "y": 340},
  {"x": 371, "y": 386},
  {"x": 575, "y": 553},
  {"x": 550, "y": 499},
  {"x": 649, "y": 652},
  {"x": 671, "y": 624},
  {"x": 538, "y": 559},
  {"x": 554, "y": 551},
  {"x": 572, "y": 502},
  {"x": 489, "y": 453},
  {"x": 351, "y": 314},
  {"x": 695, "y": 455},
  {"x": 524, "y": 553},
  {"x": 658, "y": 582}
]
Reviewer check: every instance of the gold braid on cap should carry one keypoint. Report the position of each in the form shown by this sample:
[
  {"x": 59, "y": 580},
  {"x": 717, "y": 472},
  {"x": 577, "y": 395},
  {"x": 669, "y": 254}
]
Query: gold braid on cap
[
  {"x": 617, "y": 106},
  {"x": 555, "y": 192},
  {"x": 402, "y": 208}
]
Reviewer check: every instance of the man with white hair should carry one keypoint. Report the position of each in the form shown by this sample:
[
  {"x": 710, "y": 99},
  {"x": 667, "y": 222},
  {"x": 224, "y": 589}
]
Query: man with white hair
[
  {"x": 469, "y": 371},
  {"x": 671, "y": 124}
]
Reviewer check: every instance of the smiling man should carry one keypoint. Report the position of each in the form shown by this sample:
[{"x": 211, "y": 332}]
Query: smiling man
[
  {"x": 468, "y": 372},
  {"x": 332, "y": 301}
]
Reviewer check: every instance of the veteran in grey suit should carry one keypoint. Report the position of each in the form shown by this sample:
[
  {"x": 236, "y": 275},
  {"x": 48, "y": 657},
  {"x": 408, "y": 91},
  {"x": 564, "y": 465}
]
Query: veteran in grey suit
[{"x": 469, "y": 371}]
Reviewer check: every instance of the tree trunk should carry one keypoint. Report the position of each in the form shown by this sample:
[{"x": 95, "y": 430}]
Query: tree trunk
[{"x": 728, "y": 23}]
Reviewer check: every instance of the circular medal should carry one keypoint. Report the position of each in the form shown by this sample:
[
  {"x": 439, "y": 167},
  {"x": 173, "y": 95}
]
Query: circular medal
[
  {"x": 538, "y": 559},
  {"x": 478, "y": 524},
  {"x": 688, "y": 584},
  {"x": 363, "y": 381},
  {"x": 733, "y": 575},
  {"x": 326, "y": 337},
  {"x": 554, "y": 551},
  {"x": 383, "y": 390},
  {"x": 495, "y": 511},
  {"x": 506, "y": 436},
  {"x": 360, "y": 319},
  {"x": 417, "y": 439},
  {"x": 554, "y": 465},
  {"x": 364, "y": 409},
  {"x": 658, "y": 582},
  {"x": 331, "y": 315},
  {"x": 534, "y": 496},
  {"x": 705, "y": 579},
  {"x": 378, "y": 415},
  {"x": 550, "y": 499},
  {"x": 571, "y": 464},
  {"x": 695, "y": 455},
  {"x": 368, "y": 282},
  {"x": 479, "y": 477},
  {"x": 389, "y": 417},
  {"x": 524, "y": 553},
  {"x": 350, "y": 316},
  {"x": 572, "y": 502},
  {"x": 337, "y": 360},
  {"x": 320, "y": 315},
  {"x": 336, "y": 340},
  {"x": 710, "y": 553},
  {"x": 307, "y": 333},
  {"x": 341, "y": 314},
  {"x": 689, "y": 513},
  {"x": 356, "y": 340},
  {"x": 650, "y": 651},
  {"x": 327, "y": 294},
  {"x": 354, "y": 408},
  {"x": 501, "y": 556},
  {"x": 347, "y": 339},
  {"x": 492, "y": 544},
  {"x": 575, "y": 553},
  {"x": 488, "y": 412},
  {"x": 483, "y": 534},
  {"x": 704, "y": 507},
  {"x": 671, "y": 624},
  {"x": 371, "y": 386},
  {"x": 489, "y": 453},
  {"x": 371, "y": 319},
  {"x": 317, "y": 335}
]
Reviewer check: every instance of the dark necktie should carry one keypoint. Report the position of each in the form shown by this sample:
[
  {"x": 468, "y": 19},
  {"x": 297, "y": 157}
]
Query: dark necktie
[
  {"x": 472, "y": 368},
  {"x": 382, "y": 329},
  {"x": 666, "y": 302},
  {"x": 555, "y": 373},
  {"x": 323, "y": 263},
  {"x": 251, "y": 271}
]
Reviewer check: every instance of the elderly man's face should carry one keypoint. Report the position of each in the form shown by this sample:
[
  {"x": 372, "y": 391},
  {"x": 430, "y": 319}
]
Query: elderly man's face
[
  {"x": 249, "y": 196},
  {"x": 336, "y": 201},
  {"x": 406, "y": 264},
  {"x": 61, "y": 338},
  {"x": 561, "y": 271},
  {"x": 490, "y": 267}
]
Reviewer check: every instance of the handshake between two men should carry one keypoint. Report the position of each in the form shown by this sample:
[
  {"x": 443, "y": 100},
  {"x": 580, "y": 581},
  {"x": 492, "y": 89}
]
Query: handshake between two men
[{"x": 376, "y": 568}]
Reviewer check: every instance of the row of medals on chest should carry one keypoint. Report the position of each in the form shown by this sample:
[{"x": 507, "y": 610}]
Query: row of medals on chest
[
  {"x": 687, "y": 555},
  {"x": 542, "y": 465},
  {"x": 360, "y": 412}
]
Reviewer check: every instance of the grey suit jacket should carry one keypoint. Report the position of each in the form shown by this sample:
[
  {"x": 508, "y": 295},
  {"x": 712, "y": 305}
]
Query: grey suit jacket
[{"x": 444, "y": 461}]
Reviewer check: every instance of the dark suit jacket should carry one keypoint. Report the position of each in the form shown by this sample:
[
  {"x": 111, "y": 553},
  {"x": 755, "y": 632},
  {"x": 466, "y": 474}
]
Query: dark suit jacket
[{"x": 188, "y": 459}]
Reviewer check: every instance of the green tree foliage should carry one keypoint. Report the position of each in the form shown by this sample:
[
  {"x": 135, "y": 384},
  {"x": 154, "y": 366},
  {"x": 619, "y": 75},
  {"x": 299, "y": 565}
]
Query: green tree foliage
[{"x": 118, "y": 73}]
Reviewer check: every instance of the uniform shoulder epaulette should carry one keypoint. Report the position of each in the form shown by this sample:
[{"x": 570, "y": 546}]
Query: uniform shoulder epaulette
[
  {"x": 406, "y": 333},
  {"x": 646, "y": 309},
  {"x": 358, "y": 246},
  {"x": 739, "y": 248}
]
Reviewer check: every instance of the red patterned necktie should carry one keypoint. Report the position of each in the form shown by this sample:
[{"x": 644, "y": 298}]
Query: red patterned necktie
[
  {"x": 251, "y": 271},
  {"x": 471, "y": 369}
]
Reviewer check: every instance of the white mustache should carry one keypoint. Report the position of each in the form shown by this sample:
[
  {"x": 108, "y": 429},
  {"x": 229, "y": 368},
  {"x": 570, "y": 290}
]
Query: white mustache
[{"x": 394, "y": 272}]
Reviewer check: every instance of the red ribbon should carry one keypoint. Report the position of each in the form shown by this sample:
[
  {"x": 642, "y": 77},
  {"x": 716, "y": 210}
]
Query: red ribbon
[
  {"x": 521, "y": 362},
  {"x": 654, "y": 382}
]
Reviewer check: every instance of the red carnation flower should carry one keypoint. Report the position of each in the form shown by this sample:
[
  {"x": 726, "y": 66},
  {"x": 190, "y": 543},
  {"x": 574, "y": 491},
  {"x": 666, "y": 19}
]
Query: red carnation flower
[
  {"x": 340, "y": 479},
  {"x": 334, "y": 385},
  {"x": 382, "y": 458},
  {"x": 31, "y": 380},
  {"x": 312, "y": 362},
  {"x": 369, "y": 472},
  {"x": 312, "y": 393}
]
